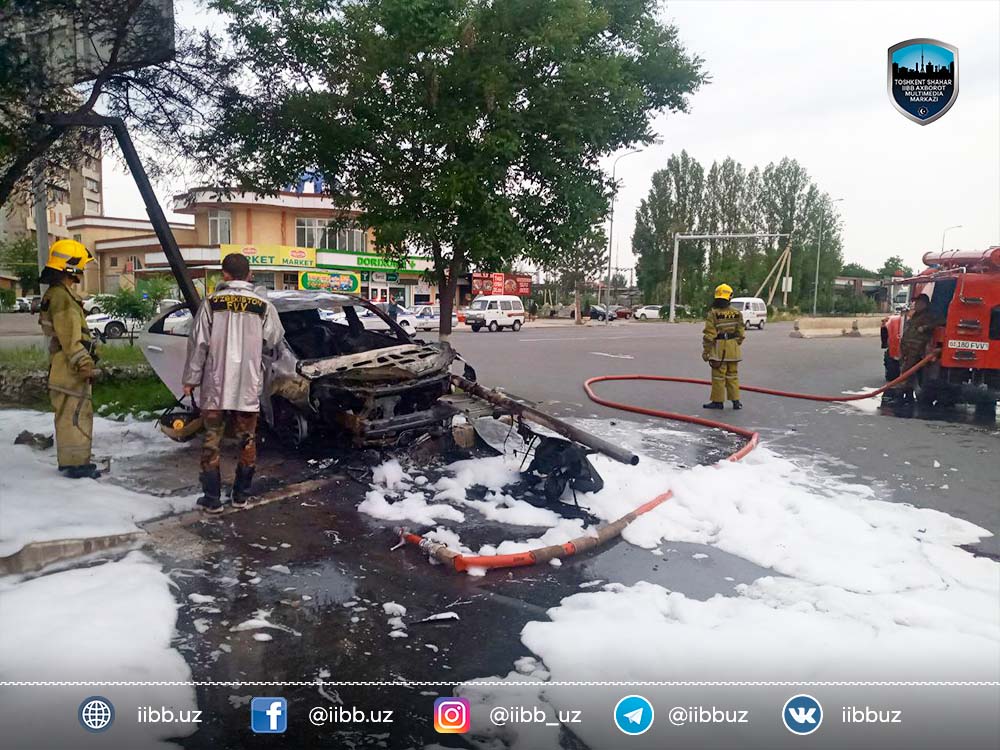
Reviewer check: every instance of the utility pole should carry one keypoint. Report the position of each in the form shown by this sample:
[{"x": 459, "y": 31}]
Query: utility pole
[
  {"x": 677, "y": 246},
  {"x": 40, "y": 198},
  {"x": 819, "y": 249},
  {"x": 957, "y": 226}
]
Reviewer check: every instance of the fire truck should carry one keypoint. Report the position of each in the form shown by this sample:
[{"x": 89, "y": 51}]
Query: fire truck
[{"x": 964, "y": 291}]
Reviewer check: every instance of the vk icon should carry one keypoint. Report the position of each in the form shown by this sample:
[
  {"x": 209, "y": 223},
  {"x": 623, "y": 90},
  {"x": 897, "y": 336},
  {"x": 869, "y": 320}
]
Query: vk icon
[
  {"x": 633, "y": 714},
  {"x": 802, "y": 714},
  {"x": 268, "y": 715}
]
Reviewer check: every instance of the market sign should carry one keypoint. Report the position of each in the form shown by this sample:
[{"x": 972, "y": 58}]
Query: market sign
[
  {"x": 368, "y": 262},
  {"x": 330, "y": 281},
  {"x": 501, "y": 283},
  {"x": 273, "y": 255}
]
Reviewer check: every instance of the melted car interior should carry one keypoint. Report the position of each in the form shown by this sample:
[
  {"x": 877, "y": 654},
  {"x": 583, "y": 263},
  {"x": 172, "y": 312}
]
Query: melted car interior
[{"x": 312, "y": 337}]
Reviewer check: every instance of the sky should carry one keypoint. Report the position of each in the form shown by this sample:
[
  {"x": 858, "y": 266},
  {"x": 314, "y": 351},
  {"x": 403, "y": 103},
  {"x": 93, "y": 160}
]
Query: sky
[{"x": 807, "y": 80}]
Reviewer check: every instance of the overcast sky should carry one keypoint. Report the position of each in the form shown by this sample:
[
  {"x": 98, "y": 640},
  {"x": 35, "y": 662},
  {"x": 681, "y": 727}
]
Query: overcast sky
[{"x": 808, "y": 80}]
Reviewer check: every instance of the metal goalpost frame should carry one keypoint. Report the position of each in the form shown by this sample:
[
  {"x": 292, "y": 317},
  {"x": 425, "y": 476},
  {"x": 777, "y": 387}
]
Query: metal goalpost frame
[{"x": 677, "y": 245}]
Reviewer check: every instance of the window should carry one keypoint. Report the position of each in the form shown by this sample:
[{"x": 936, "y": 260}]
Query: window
[
  {"x": 504, "y": 304},
  {"x": 135, "y": 262},
  {"x": 113, "y": 261},
  {"x": 290, "y": 280},
  {"x": 78, "y": 238},
  {"x": 264, "y": 279},
  {"x": 92, "y": 184},
  {"x": 93, "y": 207},
  {"x": 516, "y": 304},
  {"x": 219, "y": 227},
  {"x": 325, "y": 234},
  {"x": 492, "y": 306}
]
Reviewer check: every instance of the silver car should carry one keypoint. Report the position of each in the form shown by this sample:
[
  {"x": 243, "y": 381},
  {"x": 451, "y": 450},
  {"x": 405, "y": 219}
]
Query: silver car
[{"x": 332, "y": 373}]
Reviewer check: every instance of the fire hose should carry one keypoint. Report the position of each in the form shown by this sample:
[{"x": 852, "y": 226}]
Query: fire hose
[{"x": 614, "y": 529}]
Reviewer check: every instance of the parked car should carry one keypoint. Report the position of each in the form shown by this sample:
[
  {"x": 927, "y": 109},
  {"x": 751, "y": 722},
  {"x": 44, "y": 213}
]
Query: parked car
[
  {"x": 495, "y": 312},
  {"x": 22, "y": 304},
  {"x": 36, "y": 303},
  {"x": 332, "y": 372},
  {"x": 754, "y": 311},
  {"x": 428, "y": 318},
  {"x": 648, "y": 312},
  {"x": 597, "y": 312},
  {"x": 620, "y": 311},
  {"x": 92, "y": 305},
  {"x": 107, "y": 326}
]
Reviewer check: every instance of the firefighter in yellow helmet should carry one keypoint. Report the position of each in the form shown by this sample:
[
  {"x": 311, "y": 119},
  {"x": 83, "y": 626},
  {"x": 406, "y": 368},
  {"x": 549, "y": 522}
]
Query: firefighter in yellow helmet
[
  {"x": 724, "y": 333},
  {"x": 72, "y": 358}
]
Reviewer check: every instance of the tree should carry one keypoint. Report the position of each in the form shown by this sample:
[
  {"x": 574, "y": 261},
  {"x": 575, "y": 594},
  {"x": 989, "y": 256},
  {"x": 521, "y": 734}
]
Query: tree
[
  {"x": 895, "y": 266},
  {"x": 857, "y": 270},
  {"x": 20, "y": 256},
  {"x": 164, "y": 100},
  {"x": 467, "y": 130}
]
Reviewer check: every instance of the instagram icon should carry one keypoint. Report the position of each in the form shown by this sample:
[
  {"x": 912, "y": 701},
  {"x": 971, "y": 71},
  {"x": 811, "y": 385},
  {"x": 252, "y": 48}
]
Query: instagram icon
[{"x": 451, "y": 715}]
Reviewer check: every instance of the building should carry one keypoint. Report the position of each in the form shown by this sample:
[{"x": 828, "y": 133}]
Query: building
[
  {"x": 79, "y": 191},
  {"x": 293, "y": 239},
  {"x": 119, "y": 247}
]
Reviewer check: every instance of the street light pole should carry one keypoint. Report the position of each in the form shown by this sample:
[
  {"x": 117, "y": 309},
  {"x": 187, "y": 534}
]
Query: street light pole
[
  {"x": 957, "y": 226},
  {"x": 819, "y": 250},
  {"x": 611, "y": 231}
]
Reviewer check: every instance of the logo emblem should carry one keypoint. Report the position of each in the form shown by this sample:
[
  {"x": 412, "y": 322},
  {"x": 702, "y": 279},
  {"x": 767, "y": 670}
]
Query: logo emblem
[
  {"x": 633, "y": 714},
  {"x": 802, "y": 714},
  {"x": 451, "y": 716},
  {"x": 96, "y": 714},
  {"x": 923, "y": 78},
  {"x": 268, "y": 715}
]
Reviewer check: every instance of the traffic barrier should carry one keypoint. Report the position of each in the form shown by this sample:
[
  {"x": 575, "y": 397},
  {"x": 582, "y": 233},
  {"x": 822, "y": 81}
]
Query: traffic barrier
[{"x": 811, "y": 328}]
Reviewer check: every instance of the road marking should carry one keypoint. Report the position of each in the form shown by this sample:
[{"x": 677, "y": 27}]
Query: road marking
[{"x": 614, "y": 356}]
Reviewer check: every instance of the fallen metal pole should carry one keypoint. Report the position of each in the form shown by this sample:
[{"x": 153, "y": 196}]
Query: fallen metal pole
[
  {"x": 156, "y": 216},
  {"x": 532, "y": 414}
]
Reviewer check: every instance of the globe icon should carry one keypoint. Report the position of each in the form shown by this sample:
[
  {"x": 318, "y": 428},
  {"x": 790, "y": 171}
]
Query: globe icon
[{"x": 96, "y": 714}]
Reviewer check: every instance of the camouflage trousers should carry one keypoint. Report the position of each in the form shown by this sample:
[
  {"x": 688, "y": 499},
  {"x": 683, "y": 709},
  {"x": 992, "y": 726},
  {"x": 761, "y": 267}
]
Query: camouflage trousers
[{"x": 244, "y": 426}]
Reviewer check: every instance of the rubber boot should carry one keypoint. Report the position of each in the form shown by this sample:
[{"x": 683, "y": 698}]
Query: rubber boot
[
  {"x": 713, "y": 405},
  {"x": 737, "y": 404},
  {"x": 241, "y": 486},
  {"x": 84, "y": 471},
  {"x": 211, "y": 487}
]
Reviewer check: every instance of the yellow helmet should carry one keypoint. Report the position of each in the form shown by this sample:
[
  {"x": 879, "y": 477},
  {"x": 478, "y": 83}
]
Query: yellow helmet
[
  {"x": 68, "y": 256},
  {"x": 723, "y": 291}
]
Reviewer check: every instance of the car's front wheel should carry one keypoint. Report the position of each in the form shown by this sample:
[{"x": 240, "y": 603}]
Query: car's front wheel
[
  {"x": 290, "y": 426},
  {"x": 642, "y": 317},
  {"x": 114, "y": 330}
]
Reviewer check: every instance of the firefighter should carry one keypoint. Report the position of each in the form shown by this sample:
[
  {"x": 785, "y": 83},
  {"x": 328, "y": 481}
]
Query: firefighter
[
  {"x": 72, "y": 358},
  {"x": 724, "y": 333},
  {"x": 916, "y": 336},
  {"x": 233, "y": 332}
]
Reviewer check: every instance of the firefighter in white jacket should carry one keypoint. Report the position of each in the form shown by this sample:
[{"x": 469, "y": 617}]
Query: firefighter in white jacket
[{"x": 233, "y": 332}]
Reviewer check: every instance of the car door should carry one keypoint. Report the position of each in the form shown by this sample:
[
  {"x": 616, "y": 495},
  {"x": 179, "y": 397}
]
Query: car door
[{"x": 164, "y": 344}]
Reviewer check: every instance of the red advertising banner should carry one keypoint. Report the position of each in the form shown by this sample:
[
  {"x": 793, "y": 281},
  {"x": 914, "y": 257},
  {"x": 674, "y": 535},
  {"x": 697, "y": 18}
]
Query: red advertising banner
[{"x": 501, "y": 283}]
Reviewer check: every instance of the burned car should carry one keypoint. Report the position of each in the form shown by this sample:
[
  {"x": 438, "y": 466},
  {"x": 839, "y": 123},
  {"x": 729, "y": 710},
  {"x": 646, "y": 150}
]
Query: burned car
[{"x": 333, "y": 372}]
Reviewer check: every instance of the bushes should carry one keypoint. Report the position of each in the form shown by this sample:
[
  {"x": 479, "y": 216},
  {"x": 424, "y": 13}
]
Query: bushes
[{"x": 7, "y": 298}]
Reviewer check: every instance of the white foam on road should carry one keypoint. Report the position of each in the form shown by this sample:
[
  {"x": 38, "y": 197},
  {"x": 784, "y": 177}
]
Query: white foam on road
[
  {"x": 38, "y": 504},
  {"x": 104, "y": 623}
]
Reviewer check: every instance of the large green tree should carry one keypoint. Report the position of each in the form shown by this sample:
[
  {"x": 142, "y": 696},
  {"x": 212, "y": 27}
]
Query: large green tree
[
  {"x": 20, "y": 257},
  {"x": 467, "y": 130}
]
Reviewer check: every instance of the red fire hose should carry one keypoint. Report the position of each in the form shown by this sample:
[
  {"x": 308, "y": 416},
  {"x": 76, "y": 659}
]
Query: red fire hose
[{"x": 611, "y": 530}]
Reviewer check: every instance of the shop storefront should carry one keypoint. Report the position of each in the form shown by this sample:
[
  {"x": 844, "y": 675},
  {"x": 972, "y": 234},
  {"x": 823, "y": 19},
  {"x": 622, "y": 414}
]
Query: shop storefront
[{"x": 382, "y": 279}]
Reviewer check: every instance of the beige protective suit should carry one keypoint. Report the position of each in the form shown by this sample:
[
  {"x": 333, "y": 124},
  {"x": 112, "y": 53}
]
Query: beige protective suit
[{"x": 71, "y": 368}]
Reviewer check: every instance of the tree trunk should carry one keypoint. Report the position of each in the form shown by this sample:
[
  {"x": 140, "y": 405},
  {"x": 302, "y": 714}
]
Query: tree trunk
[
  {"x": 446, "y": 294},
  {"x": 577, "y": 318}
]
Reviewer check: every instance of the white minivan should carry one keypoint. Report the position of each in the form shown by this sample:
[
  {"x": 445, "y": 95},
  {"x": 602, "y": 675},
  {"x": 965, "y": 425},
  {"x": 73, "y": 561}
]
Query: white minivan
[
  {"x": 754, "y": 311},
  {"x": 495, "y": 311}
]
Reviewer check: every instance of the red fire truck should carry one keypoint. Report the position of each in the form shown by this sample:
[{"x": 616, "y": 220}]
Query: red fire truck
[{"x": 964, "y": 291}]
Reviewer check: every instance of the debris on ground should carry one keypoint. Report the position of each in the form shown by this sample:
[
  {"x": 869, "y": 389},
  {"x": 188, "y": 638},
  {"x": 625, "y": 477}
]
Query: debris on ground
[{"x": 35, "y": 440}]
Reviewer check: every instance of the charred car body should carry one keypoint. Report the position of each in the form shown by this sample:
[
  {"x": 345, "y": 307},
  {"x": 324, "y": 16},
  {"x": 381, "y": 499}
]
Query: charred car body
[{"x": 332, "y": 372}]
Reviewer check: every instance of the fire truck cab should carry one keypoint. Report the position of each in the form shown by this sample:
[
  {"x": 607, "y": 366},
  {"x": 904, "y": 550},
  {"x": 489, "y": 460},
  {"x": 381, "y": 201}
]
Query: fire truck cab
[{"x": 964, "y": 291}]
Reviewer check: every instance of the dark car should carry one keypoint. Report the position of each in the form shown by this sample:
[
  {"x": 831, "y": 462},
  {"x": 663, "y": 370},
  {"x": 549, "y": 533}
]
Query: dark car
[
  {"x": 598, "y": 312},
  {"x": 333, "y": 372}
]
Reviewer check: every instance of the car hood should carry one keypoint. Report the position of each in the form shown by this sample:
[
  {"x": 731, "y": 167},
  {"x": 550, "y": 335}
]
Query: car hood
[{"x": 394, "y": 363}]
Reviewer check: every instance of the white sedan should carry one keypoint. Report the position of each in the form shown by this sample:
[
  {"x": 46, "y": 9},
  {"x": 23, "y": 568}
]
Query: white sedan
[
  {"x": 109, "y": 327},
  {"x": 428, "y": 318},
  {"x": 647, "y": 312}
]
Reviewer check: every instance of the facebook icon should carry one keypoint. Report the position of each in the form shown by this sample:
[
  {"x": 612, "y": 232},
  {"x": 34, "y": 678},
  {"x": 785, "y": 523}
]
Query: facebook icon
[
  {"x": 268, "y": 715},
  {"x": 802, "y": 714}
]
